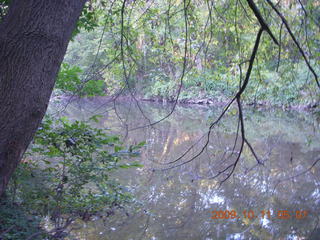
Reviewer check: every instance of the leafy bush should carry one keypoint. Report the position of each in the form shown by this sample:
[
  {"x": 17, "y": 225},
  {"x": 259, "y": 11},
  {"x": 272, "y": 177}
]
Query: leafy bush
[
  {"x": 68, "y": 80},
  {"x": 68, "y": 173},
  {"x": 16, "y": 224},
  {"x": 164, "y": 89}
]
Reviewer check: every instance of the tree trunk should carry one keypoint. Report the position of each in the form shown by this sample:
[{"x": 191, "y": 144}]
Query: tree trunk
[{"x": 33, "y": 40}]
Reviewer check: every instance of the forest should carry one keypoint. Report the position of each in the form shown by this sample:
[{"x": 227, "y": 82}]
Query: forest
[{"x": 159, "y": 119}]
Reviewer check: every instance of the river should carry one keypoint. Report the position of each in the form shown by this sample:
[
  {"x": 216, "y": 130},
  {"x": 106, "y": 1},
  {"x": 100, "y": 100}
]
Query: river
[{"x": 279, "y": 199}]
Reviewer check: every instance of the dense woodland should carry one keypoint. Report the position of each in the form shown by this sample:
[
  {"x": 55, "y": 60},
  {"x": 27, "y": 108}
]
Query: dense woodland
[
  {"x": 55, "y": 171},
  {"x": 148, "y": 45}
]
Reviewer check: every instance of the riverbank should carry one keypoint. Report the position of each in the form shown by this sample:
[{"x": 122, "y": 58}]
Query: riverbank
[
  {"x": 212, "y": 102},
  {"x": 201, "y": 101}
]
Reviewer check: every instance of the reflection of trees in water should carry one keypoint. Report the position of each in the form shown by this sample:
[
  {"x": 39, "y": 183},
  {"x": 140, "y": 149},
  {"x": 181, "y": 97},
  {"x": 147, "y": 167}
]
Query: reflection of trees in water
[
  {"x": 253, "y": 190},
  {"x": 178, "y": 202},
  {"x": 183, "y": 208}
]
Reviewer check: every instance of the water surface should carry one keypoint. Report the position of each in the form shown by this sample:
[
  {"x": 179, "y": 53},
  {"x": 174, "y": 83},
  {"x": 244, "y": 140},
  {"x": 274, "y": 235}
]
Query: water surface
[{"x": 179, "y": 202}]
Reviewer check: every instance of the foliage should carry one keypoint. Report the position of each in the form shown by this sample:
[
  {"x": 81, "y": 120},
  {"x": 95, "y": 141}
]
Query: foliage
[
  {"x": 68, "y": 80},
  {"x": 88, "y": 19},
  {"x": 16, "y": 224},
  {"x": 220, "y": 37},
  {"x": 4, "y": 4},
  {"x": 67, "y": 172}
]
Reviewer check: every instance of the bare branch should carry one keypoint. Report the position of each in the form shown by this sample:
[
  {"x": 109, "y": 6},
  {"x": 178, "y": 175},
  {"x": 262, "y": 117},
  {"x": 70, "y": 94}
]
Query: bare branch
[{"x": 236, "y": 97}]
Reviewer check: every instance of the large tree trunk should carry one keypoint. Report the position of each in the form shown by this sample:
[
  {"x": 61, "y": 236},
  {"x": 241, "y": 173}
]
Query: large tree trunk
[{"x": 33, "y": 40}]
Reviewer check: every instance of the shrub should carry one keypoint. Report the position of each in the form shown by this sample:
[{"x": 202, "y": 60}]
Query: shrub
[{"x": 66, "y": 174}]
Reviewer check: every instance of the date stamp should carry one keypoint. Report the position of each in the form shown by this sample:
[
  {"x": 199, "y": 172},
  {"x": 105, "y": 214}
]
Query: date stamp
[{"x": 251, "y": 215}]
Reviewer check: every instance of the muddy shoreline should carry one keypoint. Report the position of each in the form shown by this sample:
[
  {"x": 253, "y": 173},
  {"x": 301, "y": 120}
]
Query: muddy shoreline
[
  {"x": 192, "y": 102},
  {"x": 211, "y": 102}
]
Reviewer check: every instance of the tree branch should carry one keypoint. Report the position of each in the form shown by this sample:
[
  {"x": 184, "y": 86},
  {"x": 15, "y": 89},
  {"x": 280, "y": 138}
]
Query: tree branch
[{"x": 295, "y": 41}]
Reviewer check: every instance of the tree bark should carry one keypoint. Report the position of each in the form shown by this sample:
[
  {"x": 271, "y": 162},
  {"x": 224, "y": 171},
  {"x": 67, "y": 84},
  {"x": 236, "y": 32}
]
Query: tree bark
[{"x": 33, "y": 40}]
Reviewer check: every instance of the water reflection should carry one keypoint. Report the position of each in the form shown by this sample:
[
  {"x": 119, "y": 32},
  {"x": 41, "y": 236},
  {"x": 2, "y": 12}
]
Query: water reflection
[{"x": 179, "y": 203}]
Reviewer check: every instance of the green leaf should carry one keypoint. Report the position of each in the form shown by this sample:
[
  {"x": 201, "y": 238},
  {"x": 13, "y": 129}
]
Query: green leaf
[{"x": 95, "y": 118}]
